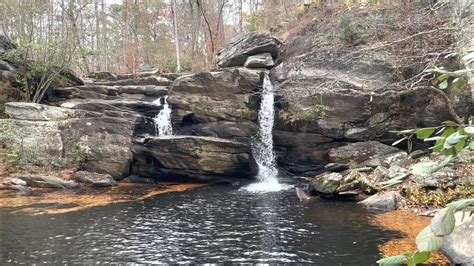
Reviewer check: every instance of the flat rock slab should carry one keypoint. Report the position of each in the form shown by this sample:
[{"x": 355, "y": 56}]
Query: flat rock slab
[
  {"x": 95, "y": 179},
  {"x": 193, "y": 157},
  {"x": 359, "y": 152},
  {"x": 38, "y": 112},
  {"x": 239, "y": 49},
  {"x": 151, "y": 80},
  {"x": 48, "y": 182}
]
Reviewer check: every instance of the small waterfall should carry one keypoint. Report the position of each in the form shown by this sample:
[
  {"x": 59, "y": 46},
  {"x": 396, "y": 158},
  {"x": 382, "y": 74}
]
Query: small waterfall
[
  {"x": 262, "y": 147},
  {"x": 163, "y": 119}
]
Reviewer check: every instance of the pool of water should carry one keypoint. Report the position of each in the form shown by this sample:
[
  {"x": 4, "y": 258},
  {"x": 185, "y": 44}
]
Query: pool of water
[{"x": 207, "y": 225}]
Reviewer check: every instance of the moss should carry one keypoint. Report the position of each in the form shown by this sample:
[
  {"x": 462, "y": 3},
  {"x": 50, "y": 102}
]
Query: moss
[{"x": 79, "y": 153}]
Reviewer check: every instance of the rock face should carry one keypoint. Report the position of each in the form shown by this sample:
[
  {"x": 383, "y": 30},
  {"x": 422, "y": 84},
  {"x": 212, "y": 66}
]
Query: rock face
[
  {"x": 238, "y": 50},
  {"x": 260, "y": 61},
  {"x": 345, "y": 101},
  {"x": 191, "y": 158},
  {"x": 95, "y": 179},
  {"x": 221, "y": 103},
  {"x": 359, "y": 152},
  {"x": 97, "y": 142}
]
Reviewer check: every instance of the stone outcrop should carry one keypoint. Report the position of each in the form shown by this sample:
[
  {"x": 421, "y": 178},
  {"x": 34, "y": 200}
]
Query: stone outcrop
[
  {"x": 221, "y": 103},
  {"x": 457, "y": 246},
  {"x": 238, "y": 50},
  {"x": 191, "y": 158},
  {"x": 96, "y": 142}
]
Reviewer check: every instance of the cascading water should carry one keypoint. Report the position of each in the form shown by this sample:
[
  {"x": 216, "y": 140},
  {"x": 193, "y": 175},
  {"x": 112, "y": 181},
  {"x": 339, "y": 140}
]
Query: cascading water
[
  {"x": 163, "y": 119},
  {"x": 262, "y": 147}
]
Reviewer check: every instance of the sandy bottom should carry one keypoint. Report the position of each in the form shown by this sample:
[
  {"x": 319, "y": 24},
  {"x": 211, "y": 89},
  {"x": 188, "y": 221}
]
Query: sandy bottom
[
  {"x": 47, "y": 201},
  {"x": 409, "y": 224}
]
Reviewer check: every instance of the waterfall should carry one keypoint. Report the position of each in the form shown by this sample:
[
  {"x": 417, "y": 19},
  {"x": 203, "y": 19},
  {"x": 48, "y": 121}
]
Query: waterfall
[
  {"x": 163, "y": 119},
  {"x": 262, "y": 148}
]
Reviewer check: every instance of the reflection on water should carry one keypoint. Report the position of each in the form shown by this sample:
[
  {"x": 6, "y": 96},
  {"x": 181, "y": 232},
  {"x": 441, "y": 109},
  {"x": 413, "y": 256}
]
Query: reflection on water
[{"x": 214, "y": 224}]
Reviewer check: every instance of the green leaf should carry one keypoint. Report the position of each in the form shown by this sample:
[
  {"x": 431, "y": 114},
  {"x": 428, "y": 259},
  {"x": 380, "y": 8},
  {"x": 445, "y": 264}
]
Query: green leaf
[
  {"x": 454, "y": 138},
  {"x": 420, "y": 257},
  {"x": 443, "y": 77},
  {"x": 423, "y": 168},
  {"x": 434, "y": 138},
  {"x": 448, "y": 123},
  {"x": 458, "y": 83},
  {"x": 471, "y": 145},
  {"x": 460, "y": 145},
  {"x": 443, "y": 222},
  {"x": 461, "y": 204},
  {"x": 443, "y": 85},
  {"x": 428, "y": 241},
  {"x": 424, "y": 133},
  {"x": 394, "y": 260},
  {"x": 469, "y": 130}
]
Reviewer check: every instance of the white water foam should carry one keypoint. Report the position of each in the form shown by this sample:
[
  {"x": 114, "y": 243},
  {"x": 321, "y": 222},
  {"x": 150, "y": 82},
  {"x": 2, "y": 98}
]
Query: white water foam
[
  {"x": 262, "y": 147},
  {"x": 163, "y": 119}
]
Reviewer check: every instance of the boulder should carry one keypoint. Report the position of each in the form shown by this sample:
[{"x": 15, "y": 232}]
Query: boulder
[
  {"x": 191, "y": 158},
  {"x": 48, "y": 182},
  {"x": 260, "y": 61},
  {"x": 457, "y": 246},
  {"x": 38, "y": 112},
  {"x": 102, "y": 75},
  {"x": 327, "y": 183},
  {"x": 239, "y": 49},
  {"x": 386, "y": 201},
  {"x": 95, "y": 179}
]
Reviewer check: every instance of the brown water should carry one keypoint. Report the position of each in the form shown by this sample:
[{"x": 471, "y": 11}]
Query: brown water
[{"x": 206, "y": 225}]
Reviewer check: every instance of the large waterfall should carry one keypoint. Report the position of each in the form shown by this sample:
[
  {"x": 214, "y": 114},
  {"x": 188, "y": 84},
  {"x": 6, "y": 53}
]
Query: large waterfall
[
  {"x": 163, "y": 119},
  {"x": 262, "y": 148}
]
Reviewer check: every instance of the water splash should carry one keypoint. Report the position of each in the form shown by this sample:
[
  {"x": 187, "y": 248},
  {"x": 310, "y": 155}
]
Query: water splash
[
  {"x": 163, "y": 119},
  {"x": 262, "y": 147}
]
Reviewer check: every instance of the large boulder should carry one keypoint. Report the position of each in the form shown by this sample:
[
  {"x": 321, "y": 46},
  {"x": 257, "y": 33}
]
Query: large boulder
[
  {"x": 191, "y": 158},
  {"x": 359, "y": 152},
  {"x": 238, "y": 50}
]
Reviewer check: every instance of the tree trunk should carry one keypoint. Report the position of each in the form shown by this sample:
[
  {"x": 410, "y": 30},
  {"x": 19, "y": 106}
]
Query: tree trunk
[{"x": 176, "y": 38}]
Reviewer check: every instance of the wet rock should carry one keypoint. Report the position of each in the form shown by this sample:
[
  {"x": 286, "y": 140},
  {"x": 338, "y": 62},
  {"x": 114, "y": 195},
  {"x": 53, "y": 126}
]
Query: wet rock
[
  {"x": 38, "y": 112},
  {"x": 457, "y": 246},
  {"x": 382, "y": 201},
  {"x": 260, "y": 61},
  {"x": 48, "y": 182},
  {"x": 350, "y": 182},
  {"x": 239, "y": 49},
  {"x": 95, "y": 179},
  {"x": 140, "y": 180},
  {"x": 189, "y": 158},
  {"x": 302, "y": 195},
  {"x": 356, "y": 153}
]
